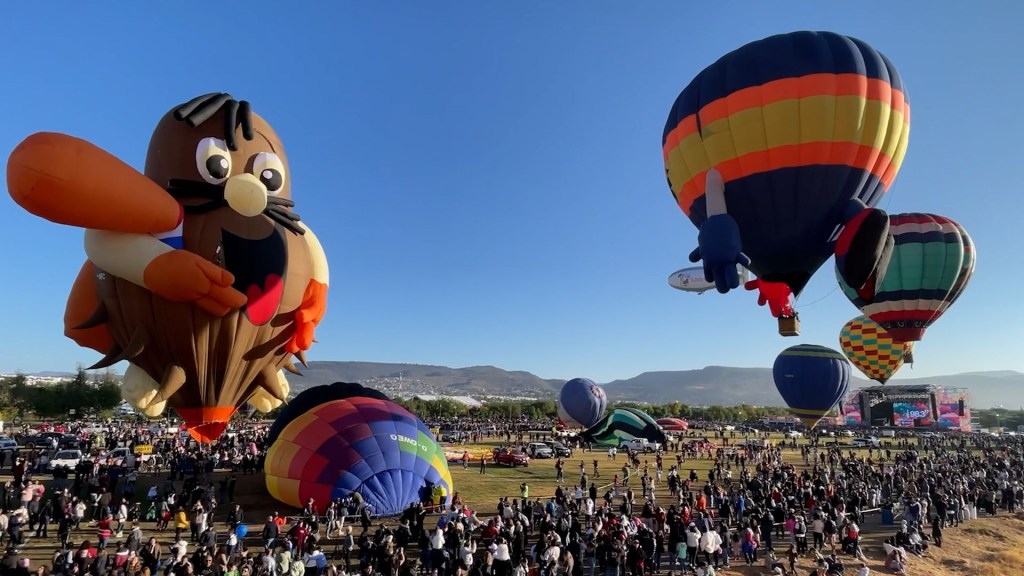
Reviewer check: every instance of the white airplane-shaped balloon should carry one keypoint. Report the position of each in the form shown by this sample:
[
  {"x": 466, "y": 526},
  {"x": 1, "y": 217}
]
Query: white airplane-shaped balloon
[{"x": 692, "y": 279}]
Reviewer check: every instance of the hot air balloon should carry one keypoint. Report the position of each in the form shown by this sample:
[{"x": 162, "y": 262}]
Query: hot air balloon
[
  {"x": 349, "y": 440},
  {"x": 673, "y": 424},
  {"x": 581, "y": 403},
  {"x": 812, "y": 380},
  {"x": 872, "y": 350},
  {"x": 773, "y": 147},
  {"x": 931, "y": 264},
  {"x": 199, "y": 274},
  {"x": 621, "y": 425}
]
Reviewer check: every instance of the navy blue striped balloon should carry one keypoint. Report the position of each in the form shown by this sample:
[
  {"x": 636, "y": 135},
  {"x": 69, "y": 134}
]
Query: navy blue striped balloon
[{"x": 811, "y": 379}]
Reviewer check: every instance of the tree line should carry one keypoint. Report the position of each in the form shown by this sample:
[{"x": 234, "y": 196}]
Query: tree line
[
  {"x": 541, "y": 409},
  {"x": 76, "y": 396}
]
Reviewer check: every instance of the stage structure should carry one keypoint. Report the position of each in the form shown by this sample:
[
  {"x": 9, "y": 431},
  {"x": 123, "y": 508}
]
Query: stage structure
[{"x": 912, "y": 406}]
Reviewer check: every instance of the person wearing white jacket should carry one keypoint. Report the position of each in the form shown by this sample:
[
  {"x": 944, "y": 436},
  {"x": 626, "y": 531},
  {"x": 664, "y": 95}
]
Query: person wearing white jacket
[
  {"x": 467, "y": 552},
  {"x": 692, "y": 543},
  {"x": 710, "y": 543}
]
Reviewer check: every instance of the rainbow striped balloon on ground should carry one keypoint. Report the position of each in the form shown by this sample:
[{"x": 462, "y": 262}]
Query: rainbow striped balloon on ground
[{"x": 357, "y": 443}]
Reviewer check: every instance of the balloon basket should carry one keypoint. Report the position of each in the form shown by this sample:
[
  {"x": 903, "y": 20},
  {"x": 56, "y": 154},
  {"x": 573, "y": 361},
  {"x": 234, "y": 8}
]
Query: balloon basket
[
  {"x": 908, "y": 357},
  {"x": 789, "y": 326}
]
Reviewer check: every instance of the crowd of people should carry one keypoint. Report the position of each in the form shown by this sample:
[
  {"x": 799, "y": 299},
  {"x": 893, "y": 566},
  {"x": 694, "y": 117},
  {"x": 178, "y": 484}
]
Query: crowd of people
[{"x": 647, "y": 514}]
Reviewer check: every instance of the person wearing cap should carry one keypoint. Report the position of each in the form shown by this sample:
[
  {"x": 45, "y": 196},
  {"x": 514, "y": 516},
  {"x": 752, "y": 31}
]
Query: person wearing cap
[{"x": 692, "y": 543}]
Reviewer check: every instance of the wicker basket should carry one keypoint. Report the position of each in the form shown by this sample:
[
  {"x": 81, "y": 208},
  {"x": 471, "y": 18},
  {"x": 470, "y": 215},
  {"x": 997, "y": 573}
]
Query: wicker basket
[{"x": 789, "y": 326}]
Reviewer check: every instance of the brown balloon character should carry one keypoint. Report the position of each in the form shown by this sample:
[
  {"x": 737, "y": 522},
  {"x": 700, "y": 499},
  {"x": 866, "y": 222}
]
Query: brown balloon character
[{"x": 200, "y": 275}]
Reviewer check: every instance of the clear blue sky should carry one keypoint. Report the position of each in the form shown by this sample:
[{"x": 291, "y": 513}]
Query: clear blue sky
[{"x": 486, "y": 177}]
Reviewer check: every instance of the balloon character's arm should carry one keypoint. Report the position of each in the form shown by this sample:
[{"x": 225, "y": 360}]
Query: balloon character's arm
[
  {"x": 177, "y": 275},
  {"x": 775, "y": 294},
  {"x": 70, "y": 181},
  {"x": 719, "y": 243},
  {"x": 314, "y": 301},
  {"x": 863, "y": 248}
]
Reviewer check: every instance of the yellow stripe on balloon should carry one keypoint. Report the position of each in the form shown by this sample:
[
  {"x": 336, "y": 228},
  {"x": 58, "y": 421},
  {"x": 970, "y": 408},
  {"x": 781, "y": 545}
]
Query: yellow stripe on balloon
[{"x": 849, "y": 119}]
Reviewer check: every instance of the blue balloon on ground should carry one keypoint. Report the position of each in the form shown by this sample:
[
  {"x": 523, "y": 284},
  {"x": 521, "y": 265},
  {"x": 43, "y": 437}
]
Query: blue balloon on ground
[
  {"x": 811, "y": 379},
  {"x": 581, "y": 403}
]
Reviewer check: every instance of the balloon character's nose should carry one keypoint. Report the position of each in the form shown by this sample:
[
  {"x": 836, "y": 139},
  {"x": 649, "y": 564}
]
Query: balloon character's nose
[{"x": 246, "y": 194}]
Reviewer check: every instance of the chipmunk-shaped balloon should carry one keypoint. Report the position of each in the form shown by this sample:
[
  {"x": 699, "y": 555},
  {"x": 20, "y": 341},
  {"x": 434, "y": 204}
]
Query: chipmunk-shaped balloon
[{"x": 199, "y": 273}]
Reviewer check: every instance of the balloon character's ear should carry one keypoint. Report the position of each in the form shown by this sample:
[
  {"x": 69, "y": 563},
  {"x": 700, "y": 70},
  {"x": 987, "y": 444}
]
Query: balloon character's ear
[{"x": 864, "y": 247}]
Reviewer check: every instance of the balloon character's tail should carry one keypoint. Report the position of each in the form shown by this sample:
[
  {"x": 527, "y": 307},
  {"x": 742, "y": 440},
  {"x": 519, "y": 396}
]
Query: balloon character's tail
[{"x": 207, "y": 423}]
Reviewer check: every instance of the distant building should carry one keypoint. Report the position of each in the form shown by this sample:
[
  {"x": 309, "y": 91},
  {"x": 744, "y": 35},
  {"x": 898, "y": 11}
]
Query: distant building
[{"x": 464, "y": 400}]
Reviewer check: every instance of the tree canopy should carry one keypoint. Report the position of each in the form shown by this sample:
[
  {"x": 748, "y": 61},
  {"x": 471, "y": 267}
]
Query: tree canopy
[{"x": 86, "y": 396}]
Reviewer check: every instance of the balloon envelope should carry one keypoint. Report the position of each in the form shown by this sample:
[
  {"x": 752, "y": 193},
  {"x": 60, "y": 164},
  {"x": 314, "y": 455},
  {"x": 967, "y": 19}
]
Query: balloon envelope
[
  {"x": 798, "y": 125},
  {"x": 624, "y": 424},
  {"x": 356, "y": 444},
  {"x": 932, "y": 262},
  {"x": 811, "y": 379},
  {"x": 581, "y": 403},
  {"x": 872, "y": 350},
  {"x": 673, "y": 424}
]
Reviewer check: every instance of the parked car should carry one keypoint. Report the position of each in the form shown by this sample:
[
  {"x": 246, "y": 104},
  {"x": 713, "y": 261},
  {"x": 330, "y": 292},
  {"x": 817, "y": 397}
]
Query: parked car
[
  {"x": 512, "y": 458},
  {"x": 794, "y": 434},
  {"x": 539, "y": 450},
  {"x": 67, "y": 458},
  {"x": 640, "y": 445},
  {"x": 869, "y": 442},
  {"x": 8, "y": 444},
  {"x": 560, "y": 449}
]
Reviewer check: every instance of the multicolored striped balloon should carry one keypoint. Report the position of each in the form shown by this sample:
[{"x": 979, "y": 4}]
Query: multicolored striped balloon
[
  {"x": 798, "y": 125},
  {"x": 624, "y": 424},
  {"x": 932, "y": 263},
  {"x": 357, "y": 444},
  {"x": 872, "y": 350}
]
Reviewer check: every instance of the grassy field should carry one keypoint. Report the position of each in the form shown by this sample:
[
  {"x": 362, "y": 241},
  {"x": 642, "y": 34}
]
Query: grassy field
[
  {"x": 988, "y": 546},
  {"x": 483, "y": 491}
]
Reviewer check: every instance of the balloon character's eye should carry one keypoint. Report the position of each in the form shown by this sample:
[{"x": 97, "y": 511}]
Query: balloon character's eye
[
  {"x": 269, "y": 168},
  {"x": 213, "y": 160}
]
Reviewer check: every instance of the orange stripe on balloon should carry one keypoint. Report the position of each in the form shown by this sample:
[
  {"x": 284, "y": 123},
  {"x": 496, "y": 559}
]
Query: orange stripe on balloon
[
  {"x": 792, "y": 156},
  {"x": 788, "y": 89}
]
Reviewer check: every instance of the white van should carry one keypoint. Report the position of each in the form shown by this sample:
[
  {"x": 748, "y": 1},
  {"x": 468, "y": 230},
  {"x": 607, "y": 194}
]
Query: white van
[
  {"x": 869, "y": 442},
  {"x": 888, "y": 433}
]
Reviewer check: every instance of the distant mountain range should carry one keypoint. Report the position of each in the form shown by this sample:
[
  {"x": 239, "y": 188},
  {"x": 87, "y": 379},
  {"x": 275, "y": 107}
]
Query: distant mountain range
[{"x": 722, "y": 385}]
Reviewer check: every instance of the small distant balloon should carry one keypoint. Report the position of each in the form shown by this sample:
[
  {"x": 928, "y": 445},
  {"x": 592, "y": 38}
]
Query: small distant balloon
[{"x": 581, "y": 403}]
